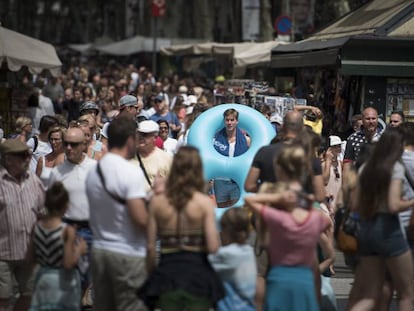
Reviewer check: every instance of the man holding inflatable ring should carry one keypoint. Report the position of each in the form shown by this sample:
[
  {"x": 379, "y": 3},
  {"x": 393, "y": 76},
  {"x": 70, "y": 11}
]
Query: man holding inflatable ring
[{"x": 230, "y": 141}]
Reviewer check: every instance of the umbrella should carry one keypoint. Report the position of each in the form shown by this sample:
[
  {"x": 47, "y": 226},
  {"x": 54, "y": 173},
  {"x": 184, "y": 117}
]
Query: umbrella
[{"x": 18, "y": 50}]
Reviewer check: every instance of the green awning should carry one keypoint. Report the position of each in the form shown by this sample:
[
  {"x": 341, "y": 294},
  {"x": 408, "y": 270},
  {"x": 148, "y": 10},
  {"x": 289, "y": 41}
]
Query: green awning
[{"x": 377, "y": 68}]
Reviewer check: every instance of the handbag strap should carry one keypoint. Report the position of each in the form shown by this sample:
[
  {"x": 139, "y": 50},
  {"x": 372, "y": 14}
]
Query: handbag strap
[
  {"x": 113, "y": 195},
  {"x": 143, "y": 169}
]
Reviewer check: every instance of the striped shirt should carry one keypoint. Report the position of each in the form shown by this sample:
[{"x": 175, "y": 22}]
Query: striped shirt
[
  {"x": 49, "y": 245},
  {"x": 20, "y": 203}
]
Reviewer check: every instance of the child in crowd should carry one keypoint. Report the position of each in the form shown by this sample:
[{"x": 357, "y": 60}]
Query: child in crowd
[
  {"x": 56, "y": 248},
  {"x": 235, "y": 262}
]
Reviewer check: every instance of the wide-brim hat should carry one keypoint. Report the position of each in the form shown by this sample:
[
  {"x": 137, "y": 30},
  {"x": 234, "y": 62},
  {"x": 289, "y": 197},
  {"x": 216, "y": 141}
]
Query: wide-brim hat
[{"x": 11, "y": 146}]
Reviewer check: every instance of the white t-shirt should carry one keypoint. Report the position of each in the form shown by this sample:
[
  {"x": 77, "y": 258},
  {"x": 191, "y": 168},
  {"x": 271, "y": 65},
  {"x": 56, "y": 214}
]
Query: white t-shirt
[
  {"x": 43, "y": 148},
  {"x": 110, "y": 221},
  {"x": 73, "y": 177},
  {"x": 170, "y": 145}
]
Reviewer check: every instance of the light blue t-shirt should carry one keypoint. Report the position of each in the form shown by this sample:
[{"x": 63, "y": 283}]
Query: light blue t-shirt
[{"x": 236, "y": 266}]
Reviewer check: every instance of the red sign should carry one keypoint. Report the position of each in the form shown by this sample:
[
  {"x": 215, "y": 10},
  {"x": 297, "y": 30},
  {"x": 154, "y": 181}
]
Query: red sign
[
  {"x": 283, "y": 25},
  {"x": 158, "y": 8}
]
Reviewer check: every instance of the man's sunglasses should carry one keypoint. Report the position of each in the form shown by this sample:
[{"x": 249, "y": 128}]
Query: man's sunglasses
[
  {"x": 336, "y": 171},
  {"x": 72, "y": 143}
]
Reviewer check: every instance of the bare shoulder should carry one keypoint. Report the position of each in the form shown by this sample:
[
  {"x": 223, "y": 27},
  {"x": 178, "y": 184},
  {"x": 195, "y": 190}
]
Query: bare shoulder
[
  {"x": 69, "y": 234},
  {"x": 158, "y": 201},
  {"x": 203, "y": 199}
]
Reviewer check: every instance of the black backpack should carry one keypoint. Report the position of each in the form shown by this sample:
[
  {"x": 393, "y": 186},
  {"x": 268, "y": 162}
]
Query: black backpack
[{"x": 36, "y": 143}]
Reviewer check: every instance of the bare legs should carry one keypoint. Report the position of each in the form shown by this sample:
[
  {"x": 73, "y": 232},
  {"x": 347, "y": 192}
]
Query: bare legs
[{"x": 370, "y": 277}]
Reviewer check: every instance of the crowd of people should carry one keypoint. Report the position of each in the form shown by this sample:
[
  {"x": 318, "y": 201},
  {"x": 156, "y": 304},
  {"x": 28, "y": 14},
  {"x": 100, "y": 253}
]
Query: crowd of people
[{"x": 104, "y": 204}]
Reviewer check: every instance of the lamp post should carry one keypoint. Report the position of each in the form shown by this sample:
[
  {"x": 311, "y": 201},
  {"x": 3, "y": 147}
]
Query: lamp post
[{"x": 157, "y": 11}]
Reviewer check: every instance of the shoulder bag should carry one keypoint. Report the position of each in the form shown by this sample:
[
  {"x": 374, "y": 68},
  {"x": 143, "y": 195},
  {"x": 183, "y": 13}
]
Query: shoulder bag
[{"x": 112, "y": 195}]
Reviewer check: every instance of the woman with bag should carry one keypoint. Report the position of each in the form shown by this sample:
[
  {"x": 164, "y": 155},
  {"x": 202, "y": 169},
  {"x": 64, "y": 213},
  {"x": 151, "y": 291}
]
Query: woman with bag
[{"x": 381, "y": 242}]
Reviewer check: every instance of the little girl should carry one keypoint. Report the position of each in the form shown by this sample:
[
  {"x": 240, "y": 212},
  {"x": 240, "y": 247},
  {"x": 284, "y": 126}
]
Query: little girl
[
  {"x": 291, "y": 233},
  {"x": 235, "y": 262},
  {"x": 56, "y": 249}
]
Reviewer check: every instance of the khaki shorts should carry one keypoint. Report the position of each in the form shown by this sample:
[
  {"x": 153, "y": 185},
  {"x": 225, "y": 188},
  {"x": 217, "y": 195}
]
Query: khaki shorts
[
  {"x": 16, "y": 273},
  {"x": 116, "y": 279}
]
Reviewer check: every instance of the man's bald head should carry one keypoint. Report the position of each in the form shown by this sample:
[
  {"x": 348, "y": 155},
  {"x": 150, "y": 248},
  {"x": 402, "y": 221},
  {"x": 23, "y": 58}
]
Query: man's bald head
[
  {"x": 369, "y": 111},
  {"x": 74, "y": 143},
  {"x": 370, "y": 122},
  {"x": 293, "y": 122},
  {"x": 74, "y": 134}
]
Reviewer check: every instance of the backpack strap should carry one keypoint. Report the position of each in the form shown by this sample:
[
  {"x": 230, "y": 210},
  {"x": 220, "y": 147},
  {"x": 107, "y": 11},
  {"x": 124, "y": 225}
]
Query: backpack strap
[{"x": 36, "y": 142}]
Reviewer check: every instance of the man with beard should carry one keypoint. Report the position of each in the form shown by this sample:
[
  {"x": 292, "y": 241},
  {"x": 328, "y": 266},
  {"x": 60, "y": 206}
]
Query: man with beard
[{"x": 368, "y": 133}]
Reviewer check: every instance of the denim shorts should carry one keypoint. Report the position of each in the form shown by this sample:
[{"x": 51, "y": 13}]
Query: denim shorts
[
  {"x": 381, "y": 236},
  {"x": 226, "y": 190}
]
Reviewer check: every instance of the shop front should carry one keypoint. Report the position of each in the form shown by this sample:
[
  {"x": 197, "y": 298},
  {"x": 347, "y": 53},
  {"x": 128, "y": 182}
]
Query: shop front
[{"x": 346, "y": 70}]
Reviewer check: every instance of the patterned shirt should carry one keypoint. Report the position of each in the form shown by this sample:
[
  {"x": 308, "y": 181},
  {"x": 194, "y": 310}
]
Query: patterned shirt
[
  {"x": 354, "y": 144},
  {"x": 20, "y": 204},
  {"x": 49, "y": 245}
]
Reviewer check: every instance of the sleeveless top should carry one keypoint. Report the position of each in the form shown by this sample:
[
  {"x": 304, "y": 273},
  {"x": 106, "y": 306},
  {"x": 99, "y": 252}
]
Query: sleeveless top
[
  {"x": 45, "y": 175},
  {"x": 48, "y": 244}
]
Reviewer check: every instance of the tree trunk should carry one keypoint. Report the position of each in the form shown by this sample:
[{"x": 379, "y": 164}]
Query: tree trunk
[{"x": 266, "y": 27}]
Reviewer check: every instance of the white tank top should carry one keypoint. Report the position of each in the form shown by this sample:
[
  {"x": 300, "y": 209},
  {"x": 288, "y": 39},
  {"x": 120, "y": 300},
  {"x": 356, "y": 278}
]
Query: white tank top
[
  {"x": 45, "y": 175},
  {"x": 232, "y": 148}
]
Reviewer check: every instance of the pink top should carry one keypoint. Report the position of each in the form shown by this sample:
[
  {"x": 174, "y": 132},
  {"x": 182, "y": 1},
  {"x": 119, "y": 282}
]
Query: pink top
[{"x": 292, "y": 243}]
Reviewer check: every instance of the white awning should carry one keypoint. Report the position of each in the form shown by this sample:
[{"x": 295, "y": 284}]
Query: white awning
[{"x": 18, "y": 50}]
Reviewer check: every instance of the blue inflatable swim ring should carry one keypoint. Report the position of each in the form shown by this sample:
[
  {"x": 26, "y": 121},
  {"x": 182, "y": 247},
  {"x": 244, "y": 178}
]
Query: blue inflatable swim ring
[{"x": 201, "y": 136}]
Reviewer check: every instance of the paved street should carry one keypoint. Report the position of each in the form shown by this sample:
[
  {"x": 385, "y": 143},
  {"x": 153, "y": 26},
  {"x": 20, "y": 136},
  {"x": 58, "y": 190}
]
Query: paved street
[{"x": 342, "y": 282}]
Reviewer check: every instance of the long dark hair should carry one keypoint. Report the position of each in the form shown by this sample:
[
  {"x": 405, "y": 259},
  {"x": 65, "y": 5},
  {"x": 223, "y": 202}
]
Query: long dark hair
[
  {"x": 375, "y": 178},
  {"x": 185, "y": 178}
]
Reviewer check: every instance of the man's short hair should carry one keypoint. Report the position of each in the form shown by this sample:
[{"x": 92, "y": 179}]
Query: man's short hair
[
  {"x": 231, "y": 111},
  {"x": 119, "y": 131},
  {"x": 46, "y": 122},
  {"x": 400, "y": 113}
]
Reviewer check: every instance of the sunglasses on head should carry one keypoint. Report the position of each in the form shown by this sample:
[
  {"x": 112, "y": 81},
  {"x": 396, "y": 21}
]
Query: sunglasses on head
[
  {"x": 73, "y": 144},
  {"x": 337, "y": 176},
  {"x": 78, "y": 123}
]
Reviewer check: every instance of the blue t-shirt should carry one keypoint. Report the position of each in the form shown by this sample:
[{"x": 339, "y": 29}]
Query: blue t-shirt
[{"x": 171, "y": 118}]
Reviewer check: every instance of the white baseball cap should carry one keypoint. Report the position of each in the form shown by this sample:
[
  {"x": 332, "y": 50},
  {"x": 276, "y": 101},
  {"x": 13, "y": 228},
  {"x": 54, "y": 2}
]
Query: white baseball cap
[
  {"x": 334, "y": 140},
  {"x": 276, "y": 118}
]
